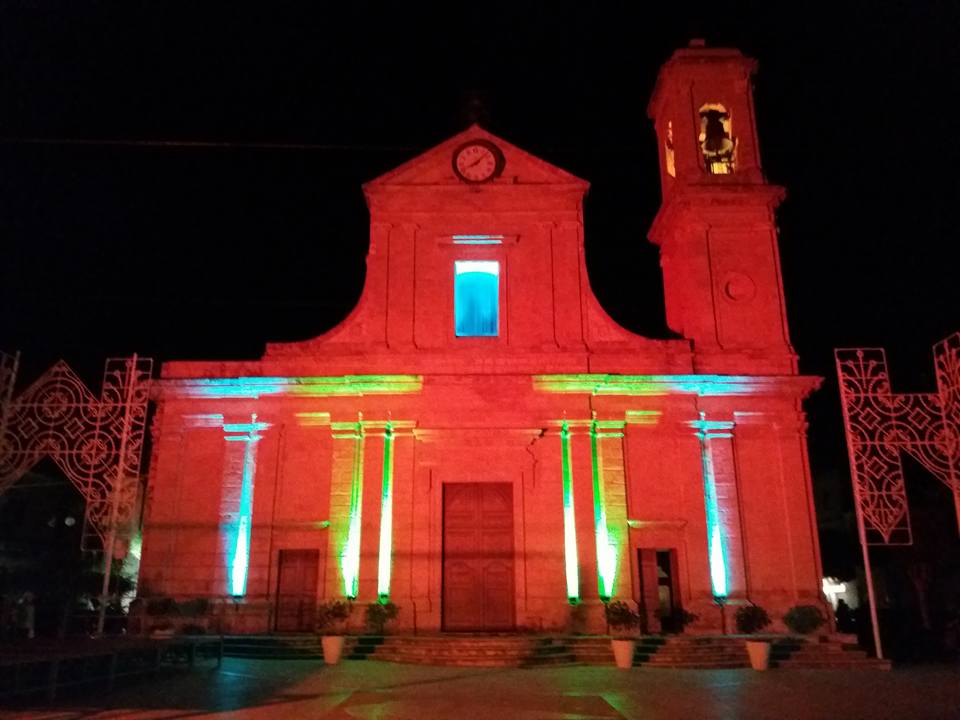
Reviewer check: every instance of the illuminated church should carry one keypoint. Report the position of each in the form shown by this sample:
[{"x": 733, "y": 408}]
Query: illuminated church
[{"x": 478, "y": 442}]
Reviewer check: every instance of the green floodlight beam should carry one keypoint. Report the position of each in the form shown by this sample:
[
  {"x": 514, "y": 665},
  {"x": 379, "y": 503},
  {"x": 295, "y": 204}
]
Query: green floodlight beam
[
  {"x": 569, "y": 519},
  {"x": 350, "y": 560},
  {"x": 606, "y": 552},
  {"x": 386, "y": 518}
]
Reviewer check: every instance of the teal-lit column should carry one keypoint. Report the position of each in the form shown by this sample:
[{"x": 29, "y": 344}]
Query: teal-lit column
[
  {"x": 385, "y": 556},
  {"x": 571, "y": 561},
  {"x": 237, "y": 500},
  {"x": 707, "y": 432}
]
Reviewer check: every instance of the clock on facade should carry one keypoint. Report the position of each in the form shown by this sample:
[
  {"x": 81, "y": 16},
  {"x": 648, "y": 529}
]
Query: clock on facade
[{"x": 478, "y": 161}]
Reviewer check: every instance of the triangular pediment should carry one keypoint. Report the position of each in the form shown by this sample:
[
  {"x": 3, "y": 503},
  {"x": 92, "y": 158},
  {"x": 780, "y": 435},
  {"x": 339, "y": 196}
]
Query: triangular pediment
[{"x": 435, "y": 167}]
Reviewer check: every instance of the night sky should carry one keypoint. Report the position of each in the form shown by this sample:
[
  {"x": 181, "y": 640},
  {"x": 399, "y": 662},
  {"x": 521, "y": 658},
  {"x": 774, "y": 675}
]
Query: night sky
[{"x": 188, "y": 186}]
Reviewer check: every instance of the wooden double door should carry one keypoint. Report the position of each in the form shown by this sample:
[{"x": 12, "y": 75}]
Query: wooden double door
[{"x": 478, "y": 562}]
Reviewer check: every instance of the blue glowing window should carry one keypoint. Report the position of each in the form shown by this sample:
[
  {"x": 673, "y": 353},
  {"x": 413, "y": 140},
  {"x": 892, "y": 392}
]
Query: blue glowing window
[{"x": 476, "y": 298}]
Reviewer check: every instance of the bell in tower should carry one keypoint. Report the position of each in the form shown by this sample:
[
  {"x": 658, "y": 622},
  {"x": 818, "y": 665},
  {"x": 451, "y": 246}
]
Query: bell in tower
[{"x": 715, "y": 142}]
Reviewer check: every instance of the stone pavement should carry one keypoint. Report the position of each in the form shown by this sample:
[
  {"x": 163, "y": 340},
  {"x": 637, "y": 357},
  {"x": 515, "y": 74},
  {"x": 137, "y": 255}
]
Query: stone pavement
[{"x": 368, "y": 690}]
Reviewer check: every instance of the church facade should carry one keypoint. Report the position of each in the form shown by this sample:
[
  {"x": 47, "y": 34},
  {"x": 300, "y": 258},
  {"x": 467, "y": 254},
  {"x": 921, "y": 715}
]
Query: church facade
[{"x": 478, "y": 442}]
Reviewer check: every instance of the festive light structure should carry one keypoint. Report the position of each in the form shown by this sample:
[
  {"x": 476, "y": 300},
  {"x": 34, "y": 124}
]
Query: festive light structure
[{"x": 478, "y": 442}]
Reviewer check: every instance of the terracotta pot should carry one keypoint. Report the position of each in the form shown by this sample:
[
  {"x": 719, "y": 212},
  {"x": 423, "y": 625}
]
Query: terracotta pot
[
  {"x": 623, "y": 651},
  {"x": 759, "y": 652},
  {"x": 332, "y": 648}
]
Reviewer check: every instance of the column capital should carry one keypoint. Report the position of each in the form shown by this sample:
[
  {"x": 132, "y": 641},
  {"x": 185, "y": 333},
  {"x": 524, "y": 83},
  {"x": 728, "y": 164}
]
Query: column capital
[{"x": 712, "y": 429}]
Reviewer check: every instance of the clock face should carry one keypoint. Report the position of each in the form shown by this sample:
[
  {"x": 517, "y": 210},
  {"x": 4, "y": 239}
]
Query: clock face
[{"x": 478, "y": 161}]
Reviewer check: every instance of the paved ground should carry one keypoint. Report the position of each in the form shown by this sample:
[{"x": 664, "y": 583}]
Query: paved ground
[{"x": 368, "y": 690}]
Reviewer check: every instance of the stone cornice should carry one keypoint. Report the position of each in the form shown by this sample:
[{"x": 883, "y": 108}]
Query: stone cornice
[
  {"x": 313, "y": 386},
  {"x": 716, "y": 194},
  {"x": 697, "y": 385}
]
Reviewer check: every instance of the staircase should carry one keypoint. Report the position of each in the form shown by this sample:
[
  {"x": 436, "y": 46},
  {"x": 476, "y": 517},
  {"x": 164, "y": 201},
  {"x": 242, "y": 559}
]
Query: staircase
[
  {"x": 717, "y": 652},
  {"x": 698, "y": 652},
  {"x": 298, "y": 646},
  {"x": 484, "y": 650},
  {"x": 825, "y": 652},
  {"x": 596, "y": 649},
  {"x": 467, "y": 650}
]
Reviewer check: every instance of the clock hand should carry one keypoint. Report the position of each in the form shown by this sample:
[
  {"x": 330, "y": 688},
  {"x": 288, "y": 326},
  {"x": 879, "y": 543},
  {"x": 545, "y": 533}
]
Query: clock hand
[{"x": 476, "y": 162}]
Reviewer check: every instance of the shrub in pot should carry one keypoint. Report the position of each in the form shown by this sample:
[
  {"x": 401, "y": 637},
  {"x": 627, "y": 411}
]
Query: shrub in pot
[
  {"x": 378, "y": 614},
  {"x": 676, "y": 621},
  {"x": 804, "y": 619},
  {"x": 331, "y": 616},
  {"x": 751, "y": 619},
  {"x": 623, "y": 621}
]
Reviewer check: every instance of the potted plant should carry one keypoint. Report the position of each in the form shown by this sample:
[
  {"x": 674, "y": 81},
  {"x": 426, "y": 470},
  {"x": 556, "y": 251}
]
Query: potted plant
[
  {"x": 676, "y": 620},
  {"x": 378, "y": 614},
  {"x": 624, "y": 622},
  {"x": 330, "y": 617},
  {"x": 750, "y": 619},
  {"x": 804, "y": 619}
]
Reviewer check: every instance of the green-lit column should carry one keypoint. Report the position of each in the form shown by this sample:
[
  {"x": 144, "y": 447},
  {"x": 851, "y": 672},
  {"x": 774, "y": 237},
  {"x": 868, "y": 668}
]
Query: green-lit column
[
  {"x": 569, "y": 519},
  {"x": 606, "y": 553},
  {"x": 385, "y": 557},
  {"x": 350, "y": 558}
]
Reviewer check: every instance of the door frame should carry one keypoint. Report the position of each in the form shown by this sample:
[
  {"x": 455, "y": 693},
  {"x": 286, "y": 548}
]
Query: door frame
[{"x": 317, "y": 584}]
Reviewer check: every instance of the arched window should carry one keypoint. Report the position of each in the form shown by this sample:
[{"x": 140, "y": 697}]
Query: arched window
[
  {"x": 716, "y": 140},
  {"x": 476, "y": 298},
  {"x": 668, "y": 156}
]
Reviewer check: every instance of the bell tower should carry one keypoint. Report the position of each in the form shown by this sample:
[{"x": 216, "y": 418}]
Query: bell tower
[{"x": 716, "y": 227}]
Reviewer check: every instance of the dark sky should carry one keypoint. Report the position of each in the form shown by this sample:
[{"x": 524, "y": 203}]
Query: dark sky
[{"x": 209, "y": 252}]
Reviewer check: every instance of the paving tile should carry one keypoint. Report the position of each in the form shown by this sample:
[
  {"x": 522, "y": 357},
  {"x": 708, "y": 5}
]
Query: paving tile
[{"x": 367, "y": 690}]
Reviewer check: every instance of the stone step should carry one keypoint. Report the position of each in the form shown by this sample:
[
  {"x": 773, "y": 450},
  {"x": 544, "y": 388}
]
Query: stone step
[
  {"x": 840, "y": 664},
  {"x": 278, "y": 654},
  {"x": 477, "y": 661},
  {"x": 438, "y": 652},
  {"x": 475, "y": 650},
  {"x": 476, "y": 656},
  {"x": 498, "y": 645},
  {"x": 385, "y": 651},
  {"x": 702, "y": 648},
  {"x": 698, "y": 656},
  {"x": 720, "y": 665},
  {"x": 663, "y": 659},
  {"x": 808, "y": 655},
  {"x": 272, "y": 652},
  {"x": 681, "y": 657},
  {"x": 456, "y": 662}
]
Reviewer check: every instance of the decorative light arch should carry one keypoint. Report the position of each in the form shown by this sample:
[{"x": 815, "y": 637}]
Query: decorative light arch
[
  {"x": 96, "y": 442},
  {"x": 880, "y": 424}
]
